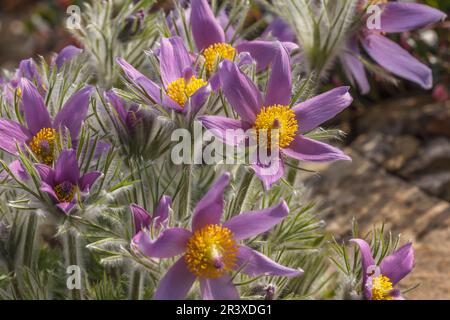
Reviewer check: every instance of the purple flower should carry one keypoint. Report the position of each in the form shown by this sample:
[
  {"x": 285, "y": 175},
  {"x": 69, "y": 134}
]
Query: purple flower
[
  {"x": 211, "y": 250},
  {"x": 64, "y": 182},
  {"x": 395, "y": 17},
  {"x": 65, "y": 55},
  {"x": 379, "y": 281},
  {"x": 215, "y": 43},
  {"x": 181, "y": 90},
  {"x": 263, "y": 114},
  {"x": 143, "y": 220},
  {"x": 41, "y": 131}
]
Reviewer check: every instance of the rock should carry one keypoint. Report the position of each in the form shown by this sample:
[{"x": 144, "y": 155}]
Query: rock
[{"x": 366, "y": 191}]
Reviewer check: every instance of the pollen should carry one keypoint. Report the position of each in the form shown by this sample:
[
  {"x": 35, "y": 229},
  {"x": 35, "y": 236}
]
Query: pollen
[
  {"x": 211, "y": 252},
  {"x": 277, "y": 117},
  {"x": 43, "y": 145},
  {"x": 381, "y": 287},
  {"x": 216, "y": 53},
  {"x": 180, "y": 90},
  {"x": 65, "y": 191}
]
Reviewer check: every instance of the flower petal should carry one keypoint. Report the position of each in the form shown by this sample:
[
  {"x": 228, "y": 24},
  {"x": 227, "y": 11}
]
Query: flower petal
[
  {"x": 205, "y": 27},
  {"x": 171, "y": 242},
  {"x": 218, "y": 289},
  {"x": 66, "y": 167},
  {"x": 46, "y": 173},
  {"x": 401, "y": 17},
  {"x": 250, "y": 224},
  {"x": 269, "y": 174},
  {"x": 74, "y": 112},
  {"x": 315, "y": 111},
  {"x": 279, "y": 30},
  {"x": 45, "y": 187},
  {"x": 161, "y": 213},
  {"x": 66, "y": 206},
  {"x": 176, "y": 283},
  {"x": 255, "y": 264},
  {"x": 117, "y": 103},
  {"x": 35, "y": 111},
  {"x": 18, "y": 170},
  {"x": 219, "y": 126},
  {"x": 367, "y": 262},
  {"x": 399, "y": 264},
  {"x": 209, "y": 209},
  {"x": 240, "y": 91},
  {"x": 66, "y": 54},
  {"x": 88, "y": 179},
  {"x": 12, "y": 133},
  {"x": 198, "y": 99},
  {"x": 306, "y": 149},
  {"x": 156, "y": 95},
  {"x": 353, "y": 67},
  {"x": 394, "y": 58},
  {"x": 279, "y": 87},
  {"x": 174, "y": 59},
  {"x": 141, "y": 218}
]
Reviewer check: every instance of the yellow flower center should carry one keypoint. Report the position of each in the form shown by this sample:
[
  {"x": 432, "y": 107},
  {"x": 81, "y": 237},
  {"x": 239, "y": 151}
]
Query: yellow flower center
[
  {"x": 277, "y": 117},
  {"x": 216, "y": 53},
  {"x": 211, "y": 252},
  {"x": 180, "y": 90},
  {"x": 381, "y": 287},
  {"x": 65, "y": 191},
  {"x": 43, "y": 145}
]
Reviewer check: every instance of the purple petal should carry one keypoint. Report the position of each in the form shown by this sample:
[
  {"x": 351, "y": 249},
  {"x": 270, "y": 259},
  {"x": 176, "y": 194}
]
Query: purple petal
[
  {"x": 176, "y": 282},
  {"x": 36, "y": 114},
  {"x": 313, "y": 112},
  {"x": 367, "y": 261},
  {"x": 205, "y": 27},
  {"x": 399, "y": 264},
  {"x": 66, "y": 167},
  {"x": 269, "y": 174},
  {"x": 66, "y": 206},
  {"x": 154, "y": 93},
  {"x": 87, "y": 180},
  {"x": 395, "y": 59},
  {"x": 255, "y": 264},
  {"x": 250, "y": 224},
  {"x": 279, "y": 87},
  {"x": 279, "y": 30},
  {"x": 45, "y": 187},
  {"x": 130, "y": 72},
  {"x": 117, "y": 104},
  {"x": 209, "y": 209},
  {"x": 27, "y": 69},
  {"x": 353, "y": 67},
  {"x": 306, "y": 149},
  {"x": 219, "y": 126},
  {"x": 240, "y": 91},
  {"x": 218, "y": 289},
  {"x": 12, "y": 133},
  {"x": 174, "y": 59},
  {"x": 224, "y": 22},
  {"x": 170, "y": 243},
  {"x": 401, "y": 17},
  {"x": 141, "y": 218},
  {"x": 74, "y": 112},
  {"x": 161, "y": 213},
  {"x": 46, "y": 173},
  {"x": 198, "y": 99},
  {"x": 66, "y": 54},
  {"x": 19, "y": 170}
]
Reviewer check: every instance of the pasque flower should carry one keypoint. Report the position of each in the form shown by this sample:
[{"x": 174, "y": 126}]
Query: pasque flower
[
  {"x": 273, "y": 112},
  {"x": 181, "y": 90},
  {"x": 215, "y": 43},
  {"x": 379, "y": 281},
  {"x": 143, "y": 220},
  {"x": 64, "y": 181},
  {"x": 40, "y": 132},
  {"x": 211, "y": 250},
  {"x": 395, "y": 17}
]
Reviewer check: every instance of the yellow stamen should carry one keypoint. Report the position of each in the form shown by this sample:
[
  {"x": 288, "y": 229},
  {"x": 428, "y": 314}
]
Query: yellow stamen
[
  {"x": 381, "y": 287},
  {"x": 43, "y": 145},
  {"x": 211, "y": 252},
  {"x": 65, "y": 191},
  {"x": 180, "y": 90},
  {"x": 277, "y": 117},
  {"x": 216, "y": 53}
]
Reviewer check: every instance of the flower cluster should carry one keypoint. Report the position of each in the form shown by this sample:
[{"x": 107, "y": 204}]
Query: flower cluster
[{"x": 94, "y": 152}]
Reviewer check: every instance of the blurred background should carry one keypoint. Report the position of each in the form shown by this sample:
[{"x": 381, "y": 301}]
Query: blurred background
[{"x": 398, "y": 137}]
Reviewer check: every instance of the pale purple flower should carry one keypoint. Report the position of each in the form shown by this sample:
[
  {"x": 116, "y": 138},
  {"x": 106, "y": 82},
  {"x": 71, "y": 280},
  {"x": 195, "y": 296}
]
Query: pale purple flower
[
  {"x": 395, "y": 17},
  {"x": 272, "y": 111},
  {"x": 210, "y": 251},
  {"x": 66, "y": 54},
  {"x": 379, "y": 280},
  {"x": 63, "y": 183}
]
